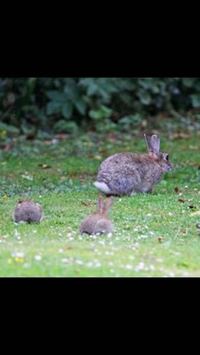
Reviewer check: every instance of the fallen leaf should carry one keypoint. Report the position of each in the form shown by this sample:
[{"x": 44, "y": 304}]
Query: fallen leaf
[
  {"x": 183, "y": 231},
  {"x": 86, "y": 203},
  {"x": 180, "y": 135},
  {"x": 61, "y": 136},
  {"x": 177, "y": 190},
  {"x": 27, "y": 177},
  {"x": 31, "y": 136},
  {"x": 7, "y": 147},
  {"x": 193, "y": 147},
  {"x": 182, "y": 200},
  {"x": 197, "y": 213},
  {"x": 44, "y": 166},
  {"x": 98, "y": 157}
]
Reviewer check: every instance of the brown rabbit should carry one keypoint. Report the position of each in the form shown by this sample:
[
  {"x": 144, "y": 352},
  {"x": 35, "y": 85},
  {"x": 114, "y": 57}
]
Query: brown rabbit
[
  {"x": 27, "y": 211},
  {"x": 98, "y": 223},
  {"x": 130, "y": 173}
]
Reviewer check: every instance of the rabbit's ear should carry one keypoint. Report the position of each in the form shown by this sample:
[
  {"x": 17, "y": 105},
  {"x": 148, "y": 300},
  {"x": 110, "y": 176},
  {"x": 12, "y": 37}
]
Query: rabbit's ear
[
  {"x": 107, "y": 204},
  {"x": 100, "y": 204},
  {"x": 153, "y": 143},
  {"x": 148, "y": 141}
]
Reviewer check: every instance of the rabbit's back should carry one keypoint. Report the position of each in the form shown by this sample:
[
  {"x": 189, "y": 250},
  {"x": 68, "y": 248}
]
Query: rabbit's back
[
  {"x": 125, "y": 173},
  {"x": 96, "y": 224},
  {"x": 28, "y": 212}
]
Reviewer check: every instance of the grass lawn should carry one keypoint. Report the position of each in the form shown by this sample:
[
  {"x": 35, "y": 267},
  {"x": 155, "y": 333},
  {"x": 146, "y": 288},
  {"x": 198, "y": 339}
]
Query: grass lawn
[{"x": 155, "y": 234}]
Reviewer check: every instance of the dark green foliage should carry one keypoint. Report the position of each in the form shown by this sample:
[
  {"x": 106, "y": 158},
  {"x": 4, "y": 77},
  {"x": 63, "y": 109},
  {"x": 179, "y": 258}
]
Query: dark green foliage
[{"x": 64, "y": 104}]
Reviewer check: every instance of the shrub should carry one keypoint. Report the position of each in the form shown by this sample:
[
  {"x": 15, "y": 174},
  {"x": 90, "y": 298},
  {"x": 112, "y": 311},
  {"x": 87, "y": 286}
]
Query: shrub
[{"x": 56, "y": 104}]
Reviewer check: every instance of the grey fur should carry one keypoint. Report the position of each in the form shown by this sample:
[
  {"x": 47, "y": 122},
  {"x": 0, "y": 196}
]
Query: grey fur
[
  {"x": 130, "y": 173},
  {"x": 27, "y": 211},
  {"x": 98, "y": 223}
]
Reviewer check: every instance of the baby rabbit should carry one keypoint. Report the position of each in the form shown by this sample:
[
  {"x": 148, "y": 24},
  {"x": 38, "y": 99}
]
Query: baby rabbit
[
  {"x": 27, "y": 211},
  {"x": 98, "y": 222},
  {"x": 130, "y": 173}
]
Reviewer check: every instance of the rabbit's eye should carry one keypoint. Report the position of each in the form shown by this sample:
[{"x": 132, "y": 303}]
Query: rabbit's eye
[{"x": 167, "y": 157}]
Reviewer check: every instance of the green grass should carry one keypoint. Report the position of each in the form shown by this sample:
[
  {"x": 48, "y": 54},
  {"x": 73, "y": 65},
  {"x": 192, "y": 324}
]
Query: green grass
[{"x": 155, "y": 235}]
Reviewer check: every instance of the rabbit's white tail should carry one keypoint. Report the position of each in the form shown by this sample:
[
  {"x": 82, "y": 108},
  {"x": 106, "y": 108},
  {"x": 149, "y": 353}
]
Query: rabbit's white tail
[{"x": 102, "y": 187}]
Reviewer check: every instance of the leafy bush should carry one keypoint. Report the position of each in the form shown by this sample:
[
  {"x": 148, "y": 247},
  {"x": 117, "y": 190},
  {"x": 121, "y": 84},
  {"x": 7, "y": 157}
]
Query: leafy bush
[{"x": 63, "y": 104}]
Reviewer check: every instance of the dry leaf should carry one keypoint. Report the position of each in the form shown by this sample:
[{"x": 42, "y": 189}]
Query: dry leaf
[
  {"x": 86, "y": 203},
  {"x": 197, "y": 213},
  {"x": 180, "y": 135},
  {"x": 176, "y": 189},
  {"x": 182, "y": 200},
  {"x": 44, "y": 166}
]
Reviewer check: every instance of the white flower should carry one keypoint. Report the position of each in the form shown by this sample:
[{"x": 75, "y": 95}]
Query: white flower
[
  {"x": 171, "y": 274},
  {"x": 135, "y": 229},
  {"x": 128, "y": 267},
  {"x": 79, "y": 262},
  {"x": 18, "y": 254},
  {"x": 26, "y": 265},
  {"x": 151, "y": 267},
  {"x": 140, "y": 266},
  {"x": 16, "y": 234},
  {"x": 97, "y": 264},
  {"x": 27, "y": 177},
  {"x": 65, "y": 260},
  {"x": 131, "y": 257},
  {"x": 144, "y": 236},
  {"x": 90, "y": 264},
  {"x": 159, "y": 260},
  {"x": 38, "y": 257}
]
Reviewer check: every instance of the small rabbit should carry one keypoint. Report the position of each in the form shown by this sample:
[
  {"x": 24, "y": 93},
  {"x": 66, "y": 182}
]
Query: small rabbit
[
  {"x": 27, "y": 211},
  {"x": 130, "y": 173},
  {"x": 98, "y": 223}
]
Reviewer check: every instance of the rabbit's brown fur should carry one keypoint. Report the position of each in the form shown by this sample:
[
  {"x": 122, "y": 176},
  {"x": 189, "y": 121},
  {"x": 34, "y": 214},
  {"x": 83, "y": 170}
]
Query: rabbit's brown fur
[
  {"x": 27, "y": 211},
  {"x": 98, "y": 222},
  {"x": 129, "y": 173}
]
